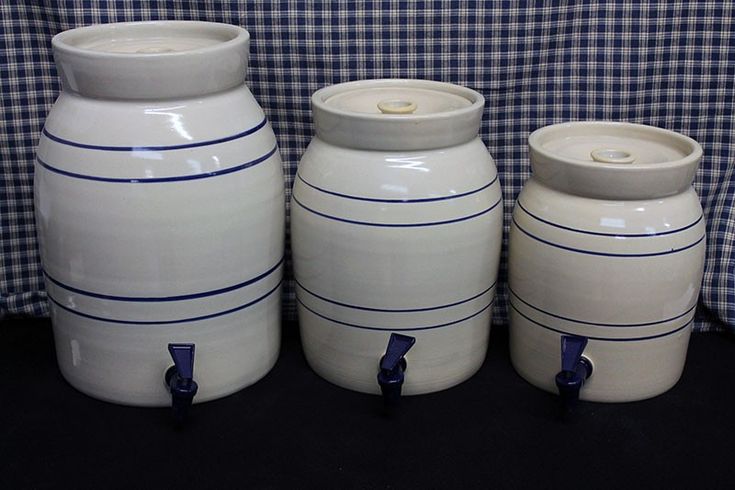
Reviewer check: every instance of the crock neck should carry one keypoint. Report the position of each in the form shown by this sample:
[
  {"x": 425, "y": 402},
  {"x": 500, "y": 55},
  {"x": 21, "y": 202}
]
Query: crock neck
[{"x": 396, "y": 114}]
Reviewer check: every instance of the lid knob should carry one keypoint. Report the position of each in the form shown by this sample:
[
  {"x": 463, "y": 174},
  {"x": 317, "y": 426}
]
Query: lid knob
[
  {"x": 395, "y": 106},
  {"x": 612, "y": 155}
]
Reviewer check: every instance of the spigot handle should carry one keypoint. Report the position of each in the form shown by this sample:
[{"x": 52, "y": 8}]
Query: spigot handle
[
  {"x": 398, "y": 346},
  {"x": 183, "y": 356},
  {"x": 572, "y": 348}
]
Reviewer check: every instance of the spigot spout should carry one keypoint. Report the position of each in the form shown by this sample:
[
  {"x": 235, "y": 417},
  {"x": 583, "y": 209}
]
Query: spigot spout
[
  {"x": 575, "y": 369},
  {"x": 393, "y": 367},
  {"x": 180, "y": 380}
]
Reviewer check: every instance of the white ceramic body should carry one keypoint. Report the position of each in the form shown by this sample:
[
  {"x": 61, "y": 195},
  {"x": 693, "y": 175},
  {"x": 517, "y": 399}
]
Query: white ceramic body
[
  {"x": 625, "y": 273},
  {"x": 396, "y": 241},
  {"x": 161, "y": 221}
]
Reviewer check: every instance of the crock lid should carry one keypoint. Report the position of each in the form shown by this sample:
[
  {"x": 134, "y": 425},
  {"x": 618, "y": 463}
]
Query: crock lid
[
  {"x": 151, "y": 60},
  {"x": 397, "y": 114},
  {"x": 613, "y": 160}
]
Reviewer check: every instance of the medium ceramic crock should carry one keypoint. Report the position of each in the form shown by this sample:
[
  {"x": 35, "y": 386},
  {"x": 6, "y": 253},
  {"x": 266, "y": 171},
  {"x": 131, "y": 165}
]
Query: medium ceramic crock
[
  {"x": 160, "y": 209},
  {"x": 396, "y": 228},
  {"x": 607, "y": 248}
]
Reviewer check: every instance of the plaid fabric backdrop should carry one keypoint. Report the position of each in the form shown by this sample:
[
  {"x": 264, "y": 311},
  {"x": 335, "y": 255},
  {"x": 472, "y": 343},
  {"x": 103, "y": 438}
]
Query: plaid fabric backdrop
[{"x": 666, "y": 63}]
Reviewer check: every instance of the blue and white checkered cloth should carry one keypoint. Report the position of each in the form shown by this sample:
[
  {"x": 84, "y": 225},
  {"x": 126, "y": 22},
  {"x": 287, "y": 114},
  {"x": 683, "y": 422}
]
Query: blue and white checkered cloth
[{"x": 666, "y": 63}]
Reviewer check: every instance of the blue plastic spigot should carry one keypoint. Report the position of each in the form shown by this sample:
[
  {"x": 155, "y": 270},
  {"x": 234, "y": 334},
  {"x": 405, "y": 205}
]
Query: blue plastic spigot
[
  {"x": 393, "y": 367},
  {"x": 575, "y": 369},
  {"x": 180, "y": 380}
]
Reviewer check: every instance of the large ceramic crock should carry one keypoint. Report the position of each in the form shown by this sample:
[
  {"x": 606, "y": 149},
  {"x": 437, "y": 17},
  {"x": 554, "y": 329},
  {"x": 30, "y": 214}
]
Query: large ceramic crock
[
  {"x": 160, "y": 210},
  {"x": 396, "y": 228},
  {"x": 607, "y": 248}
]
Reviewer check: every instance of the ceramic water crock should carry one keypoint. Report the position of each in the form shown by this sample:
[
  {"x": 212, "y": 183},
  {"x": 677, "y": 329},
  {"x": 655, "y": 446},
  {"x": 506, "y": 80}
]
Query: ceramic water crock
[
  {"x": 606, "y": 259},
  {"x": 160, "y": 209},
  {"x": 396, "y": 231}
]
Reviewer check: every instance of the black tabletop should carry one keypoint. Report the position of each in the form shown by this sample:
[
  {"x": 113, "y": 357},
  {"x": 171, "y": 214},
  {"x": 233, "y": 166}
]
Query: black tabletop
[{"x": 295, "y": 430}]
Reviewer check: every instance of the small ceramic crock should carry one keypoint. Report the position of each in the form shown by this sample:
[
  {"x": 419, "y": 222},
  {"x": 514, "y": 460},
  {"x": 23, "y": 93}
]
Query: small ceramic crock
[
  {"x": 160, "y": 209},
  {"x": 607, "y": 250},
  {"x": 396, "y": 229}
]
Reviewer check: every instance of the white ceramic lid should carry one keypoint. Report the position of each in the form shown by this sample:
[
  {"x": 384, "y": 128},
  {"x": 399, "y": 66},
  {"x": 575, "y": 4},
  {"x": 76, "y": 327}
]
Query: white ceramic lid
[
  {"x": 397, "y": 114},
  {"x": 613, "y": 160},
  {"x": 151, "y": 60}
]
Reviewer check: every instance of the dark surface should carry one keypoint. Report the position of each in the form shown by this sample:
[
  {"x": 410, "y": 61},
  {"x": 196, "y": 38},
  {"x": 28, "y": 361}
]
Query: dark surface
[{"x": 294, "y": 430}]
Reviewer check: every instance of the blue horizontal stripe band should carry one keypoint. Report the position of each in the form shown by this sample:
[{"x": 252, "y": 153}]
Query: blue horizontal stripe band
[
  {"x": 157, "y": 180},
  {"x": 608, "y": 254},
  {"x": 156, "y": 299},
  {"x": 399, "y": 201},
  {"x": 615, "y": 235},
  {"x": 604, "y": 339},
  {"x": 620, "y": 325},
  {"x": 385, "y": 310},
  {"x": 184, "y": 146},
  {"x": 166, "y": 322},
  {"x": 397, "y": 225},
  {"x": 389, "y": 329}
]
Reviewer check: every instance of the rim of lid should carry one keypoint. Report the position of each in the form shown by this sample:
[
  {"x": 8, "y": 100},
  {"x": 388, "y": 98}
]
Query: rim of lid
[
  {"x": 320, "y": 97},
  {"x": 536, "y": 143},
  {"x": 64, "y": 41}
]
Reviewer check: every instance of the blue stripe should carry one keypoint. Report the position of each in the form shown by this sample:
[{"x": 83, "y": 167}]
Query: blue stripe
[
  {"x": 604, "y": 339},
  {"x": 155, "y": 299},
  {"x": 607, "y": 254},
  {"x": 398, "y": 225},
  {"x": 388, "y": 329},
  {"x": 384, "y": 310},
  {"x": 399, "y": 201},
  {"x": 86, "y": 146},
  {"x": 616, "y": 235},
  {"x": 166, "y": 322},
  {"x": 156, "y": 180},
  {"x": 623, "y": 325}
]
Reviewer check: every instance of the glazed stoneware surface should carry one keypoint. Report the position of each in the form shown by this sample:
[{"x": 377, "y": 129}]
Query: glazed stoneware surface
[
  {"x": 160, "y": 207},
  {"x": 607, "y": 242},
  {"x": 396, "y": 227}
]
